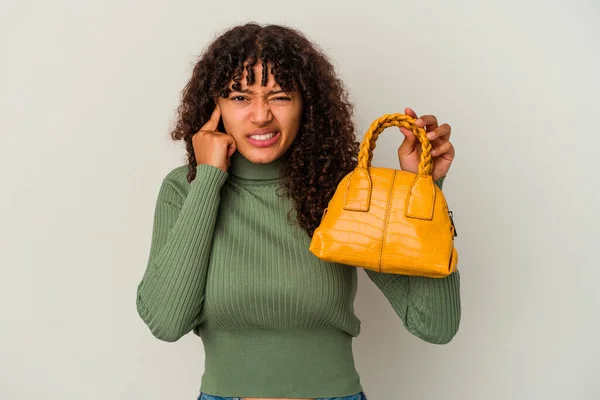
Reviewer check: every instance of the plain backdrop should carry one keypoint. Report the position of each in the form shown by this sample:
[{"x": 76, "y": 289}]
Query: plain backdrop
[{"x": 88, "y": 93}]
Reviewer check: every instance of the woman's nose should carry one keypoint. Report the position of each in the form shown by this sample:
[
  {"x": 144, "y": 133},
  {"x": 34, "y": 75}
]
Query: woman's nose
[{"x": 261, "y": 113}]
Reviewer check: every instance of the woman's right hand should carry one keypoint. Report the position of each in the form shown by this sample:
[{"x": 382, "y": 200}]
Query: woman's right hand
[{"x": 212, "y": 147}]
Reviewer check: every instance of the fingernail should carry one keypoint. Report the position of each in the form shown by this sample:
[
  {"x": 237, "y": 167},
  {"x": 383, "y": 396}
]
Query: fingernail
[
  {"x": 430, "y": 135},
  {"x": 433, "y": 152}
]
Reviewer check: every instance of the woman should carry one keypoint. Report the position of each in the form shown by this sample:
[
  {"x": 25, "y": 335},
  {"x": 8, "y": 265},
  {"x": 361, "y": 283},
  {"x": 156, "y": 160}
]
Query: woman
[{"x": 268, "y": 131}]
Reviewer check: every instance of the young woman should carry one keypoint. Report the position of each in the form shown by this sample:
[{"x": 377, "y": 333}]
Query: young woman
[{"x": 269, "y": 135}]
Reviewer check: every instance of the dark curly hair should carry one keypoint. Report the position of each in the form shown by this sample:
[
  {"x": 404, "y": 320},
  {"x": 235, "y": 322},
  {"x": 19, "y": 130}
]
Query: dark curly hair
[{"x": 325, "y": 149}]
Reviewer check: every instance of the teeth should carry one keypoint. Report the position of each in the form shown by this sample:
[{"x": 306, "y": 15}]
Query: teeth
[{"x": 263, "y": 137}]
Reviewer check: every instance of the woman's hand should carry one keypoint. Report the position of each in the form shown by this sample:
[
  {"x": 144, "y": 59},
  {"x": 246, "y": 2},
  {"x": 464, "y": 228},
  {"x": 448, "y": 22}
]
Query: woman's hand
[
  {"x": 213, "y": 147},
  {"x": 442, "y": 152}
]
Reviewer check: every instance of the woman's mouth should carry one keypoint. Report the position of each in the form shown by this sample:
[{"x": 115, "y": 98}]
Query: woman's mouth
[{"x": 264, "y": 140}]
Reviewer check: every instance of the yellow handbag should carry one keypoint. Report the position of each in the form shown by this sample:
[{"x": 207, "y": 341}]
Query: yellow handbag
[{"x": 389, "y": 220}]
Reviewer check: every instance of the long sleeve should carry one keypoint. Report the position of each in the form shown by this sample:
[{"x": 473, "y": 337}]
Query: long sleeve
[
  {"x": 430, "y": 308},
  {"x": 171, "y": 292}
]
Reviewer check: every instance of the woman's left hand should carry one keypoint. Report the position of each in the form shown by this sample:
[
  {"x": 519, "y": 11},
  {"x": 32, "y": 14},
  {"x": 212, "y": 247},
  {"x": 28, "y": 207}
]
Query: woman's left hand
[{"x": 409, "y": 152}]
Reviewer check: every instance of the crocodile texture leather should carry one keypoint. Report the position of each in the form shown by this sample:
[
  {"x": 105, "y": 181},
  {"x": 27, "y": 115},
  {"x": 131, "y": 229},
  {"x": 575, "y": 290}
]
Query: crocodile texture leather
[{"x": 389, "y": 220}]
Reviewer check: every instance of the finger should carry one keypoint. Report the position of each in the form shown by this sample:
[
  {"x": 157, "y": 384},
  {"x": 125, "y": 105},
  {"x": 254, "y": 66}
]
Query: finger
[
  {"x": 213, "y": 123},
  {"x": 407, "y": 148},
  {"x": 441, "y": 132},
  {"x": 410, "y": 112},
  {"x": 408, "y": 134},
  {"x": 444, "y": 148},
  {"x": 232, "y": 147},
  {"x": 408, "y": 145},
  {"x": 427, "y": 121}
]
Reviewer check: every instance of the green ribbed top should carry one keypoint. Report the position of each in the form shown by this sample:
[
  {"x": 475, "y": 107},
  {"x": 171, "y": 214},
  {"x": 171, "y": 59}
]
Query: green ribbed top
[{"x": 227, "y": 263}]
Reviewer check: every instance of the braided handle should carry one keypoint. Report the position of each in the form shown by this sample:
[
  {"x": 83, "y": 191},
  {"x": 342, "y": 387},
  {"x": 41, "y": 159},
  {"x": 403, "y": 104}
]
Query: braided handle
[{"x": 365, "y": 155}]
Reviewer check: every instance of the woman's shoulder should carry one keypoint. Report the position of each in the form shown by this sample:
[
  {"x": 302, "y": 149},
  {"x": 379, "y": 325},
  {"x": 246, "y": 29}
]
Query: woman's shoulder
[
  {"x": 176, "y": 180},
  {"x": 178, "y": 174}
]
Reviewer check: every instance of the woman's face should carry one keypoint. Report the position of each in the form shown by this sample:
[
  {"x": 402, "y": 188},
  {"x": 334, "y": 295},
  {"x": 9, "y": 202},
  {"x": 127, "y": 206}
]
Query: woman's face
[{"x": 263, "y": 120}]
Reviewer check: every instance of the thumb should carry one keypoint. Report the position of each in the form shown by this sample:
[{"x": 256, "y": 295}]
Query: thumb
[
  {"x": 408, "y": 144},
  {"x": 232, "y": 146},
  {"x": 409, "y": 136}
]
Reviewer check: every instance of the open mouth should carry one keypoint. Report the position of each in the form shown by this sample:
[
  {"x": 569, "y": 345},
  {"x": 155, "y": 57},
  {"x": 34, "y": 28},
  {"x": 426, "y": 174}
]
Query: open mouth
[{"x": 264, "y": 140}]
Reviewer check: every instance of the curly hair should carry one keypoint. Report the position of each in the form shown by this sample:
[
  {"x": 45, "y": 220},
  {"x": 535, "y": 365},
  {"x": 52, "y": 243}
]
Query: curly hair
[{"x": 325, "y": 149}]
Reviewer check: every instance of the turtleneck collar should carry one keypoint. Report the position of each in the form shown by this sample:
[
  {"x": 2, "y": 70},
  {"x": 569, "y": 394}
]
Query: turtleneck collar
[{"x": 245, "y": 169}]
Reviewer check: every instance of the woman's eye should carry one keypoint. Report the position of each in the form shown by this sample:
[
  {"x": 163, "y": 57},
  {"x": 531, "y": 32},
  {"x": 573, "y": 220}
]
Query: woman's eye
[
  {"x": 282, "y": 98},
  {"x": 238, "y": 98}
]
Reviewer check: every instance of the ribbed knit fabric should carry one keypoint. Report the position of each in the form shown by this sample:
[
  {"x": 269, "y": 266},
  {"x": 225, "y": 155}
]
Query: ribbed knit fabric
[{"x": 228, "y": 263}]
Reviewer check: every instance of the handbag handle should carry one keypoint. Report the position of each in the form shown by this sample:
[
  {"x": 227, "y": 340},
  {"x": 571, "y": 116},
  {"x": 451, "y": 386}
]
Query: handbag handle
[
  {"x": 359, "y": 186},
  {"x": 365, "y": 155}
]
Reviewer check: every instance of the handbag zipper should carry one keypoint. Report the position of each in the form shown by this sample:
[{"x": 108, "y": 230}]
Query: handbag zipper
[{"x": 452, "y": 222}]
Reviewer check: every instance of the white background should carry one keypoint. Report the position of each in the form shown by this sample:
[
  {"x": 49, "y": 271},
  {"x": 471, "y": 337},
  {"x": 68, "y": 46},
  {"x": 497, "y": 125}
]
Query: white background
[{"x": 88, "y": 93}]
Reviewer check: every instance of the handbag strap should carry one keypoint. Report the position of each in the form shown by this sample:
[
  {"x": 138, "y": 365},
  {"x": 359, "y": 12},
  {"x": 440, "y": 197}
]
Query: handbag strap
[{"x": 365, "y": 155}]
